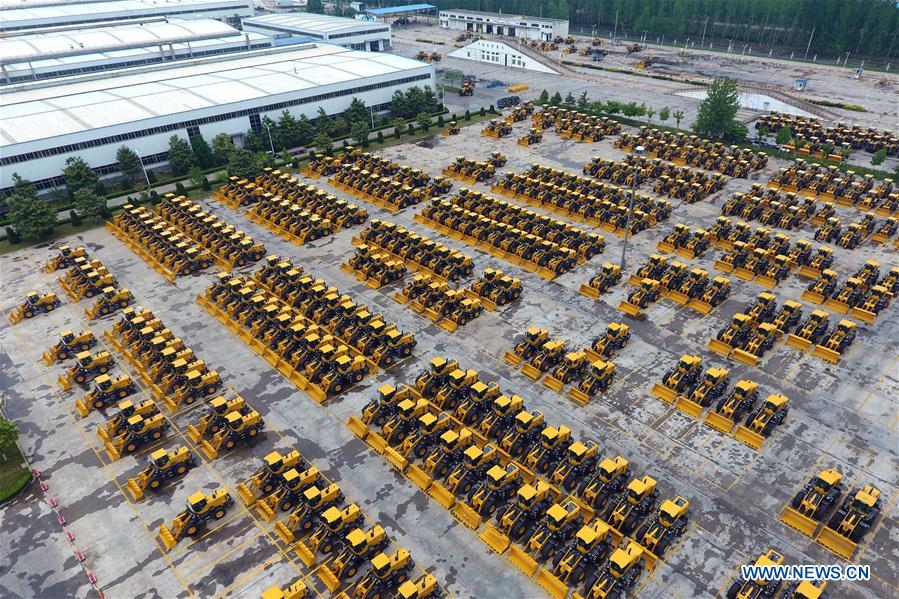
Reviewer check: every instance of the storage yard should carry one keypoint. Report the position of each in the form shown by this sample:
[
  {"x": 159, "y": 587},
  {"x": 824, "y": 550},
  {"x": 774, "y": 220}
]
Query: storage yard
[{"x": 548, "y": 354}]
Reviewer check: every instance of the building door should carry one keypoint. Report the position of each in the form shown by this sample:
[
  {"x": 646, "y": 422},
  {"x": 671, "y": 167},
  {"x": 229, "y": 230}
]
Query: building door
[
  {"x": 469, "y": 26},
  {"x": 511, "y": 32},
  {"x": 489, "y": 28}
]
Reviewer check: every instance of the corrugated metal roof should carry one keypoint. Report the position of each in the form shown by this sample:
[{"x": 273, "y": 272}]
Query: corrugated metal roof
[
  {"x": 38, "y": 46},
  {"x": 34, "y": 112},
  {"x": 392, "y": 10},
  {"x": 305, "y": 22},
  {"x": 80, "y": 11}
]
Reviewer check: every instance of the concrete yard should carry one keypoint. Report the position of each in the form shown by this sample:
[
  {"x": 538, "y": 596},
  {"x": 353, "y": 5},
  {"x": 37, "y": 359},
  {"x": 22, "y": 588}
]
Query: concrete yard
[{"x": 842, "y": 416}]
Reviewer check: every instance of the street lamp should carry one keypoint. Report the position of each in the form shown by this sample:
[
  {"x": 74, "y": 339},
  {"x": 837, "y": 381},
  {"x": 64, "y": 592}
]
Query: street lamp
[
  {"x": 143, "y": 168},
  {"x": 630, "y": 212},
  {"x": 270, "y": 142}
]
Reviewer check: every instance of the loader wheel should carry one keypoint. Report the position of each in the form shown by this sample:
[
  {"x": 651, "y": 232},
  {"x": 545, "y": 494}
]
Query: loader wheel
[
  {"x": 518, "y": 530},
  {"x": 388, "y": 360},
  {"x": 733, "y": 590},
  {"x": 104, "y": 310},
  {"x": 63, "y": 355},
  {"x": 358, "y": 377},
  {"x": 29, "y": 314},
  {"x": 337, "y": 388},
  {"x": 98, "y": 404},
  {"x": 661, "y": 546},
  {"x": 327, "y": 547},
  {"x": 190, "y": 399},
  {"x": 191, "y": 530},
  {"x": 131, "y": 446},
  {"x": 51, "y": 307},
  {"x": 797, "y": 500},
  {"x": 467, "y": 487},
  {"x": 103, "y": 369},
  {"x": 351, "y": 571},
  {"x": 156, "y": 434},
  {"x": 181, "y": 469},
  {"x": 209, "y": 390},
  {"x": 80, "y": 378},
  {"x": 229, "y": 444},
  {"x": 219, "y": 514},
  {"x": 122, "y": 393},
  {"x": 286, "y": 505}
]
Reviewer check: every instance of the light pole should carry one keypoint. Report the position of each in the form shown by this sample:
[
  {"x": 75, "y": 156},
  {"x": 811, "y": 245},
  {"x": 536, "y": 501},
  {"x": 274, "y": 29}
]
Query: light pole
[
  {"x": 702, "y": 43},
  {"x": 270, "y": 142},
  {"x": 630, "y": 213},
  {"x": 143, "y": 168}
]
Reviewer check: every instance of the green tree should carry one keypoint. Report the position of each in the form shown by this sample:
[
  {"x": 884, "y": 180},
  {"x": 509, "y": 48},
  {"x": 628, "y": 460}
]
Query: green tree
[
  {"x": 650, "y": 112},
  {"x": 9, "y": 434},
  {"x": 582, "y": 101},
  {"x": 783, "y": 136},
  {"x": 678, "y": 117},
  {"x": 243, "y": 164},
  {"x": 543, "y": 98},
  {"x": 291, "y": 131},
  {"x": 196, "y": 176},
  {"x": 453, "y": 75},
  {"x": 323, "y": 142},
  {"x": 23, "y": 186},
  {"x": 222, "y": 145},
  {"x": 359, "y": 133},
  {"x": 30, "y": 216},
  {"x": 569, "y": 99},
  {"x": 556, "y": 99},
  {"x": 323, "y": 123},
  {"x": 181, "y": 156},
  {"x": 879, "y": 156},
  {"x": 79, "y": 174},
  {"x": 357, "y": 112},
  {"x": 202, "y": 151},
  {"x": 88, "y": 204},
  {"x": 664, "y": 114},
  {"x": 129, "y": 163},
  {"x": 398, "y": 125},
  {"x": 424, "y": 121},
  {"x": 763, "y": 132},
  {"x": 315, "y": 6},
  {"x": 717, "y": 113}
]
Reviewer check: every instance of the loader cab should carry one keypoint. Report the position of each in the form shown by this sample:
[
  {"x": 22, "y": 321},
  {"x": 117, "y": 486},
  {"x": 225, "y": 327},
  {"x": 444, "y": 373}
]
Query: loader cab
[
  {"x": 638, "y": 489},
  {"x": 771, "y": 558},
  {"x": 159, "y": 458},
  {"x": 745, "y": 389},
  {"x": 103, "y": 382},
  {"x": 84, "y": 359},
  {"x": 588, "y": 536},
  {"x": 688, "y": 363},
  {"x": 609, "y": 468},
  {"x": 557, "y": 515},
  {"x": 846, "y": 327},
  {"x": 67, "y": 337},
  {"x": 865, "y": 499},
  {"x": 826, "y": 480},
  {"x": 775, "y": 403},
  {"x": 623, "y": 560},
  {"x": 672, "y": 510},
  {"x": 578, "y": 452},
  {"x": 528, "y": 496}
]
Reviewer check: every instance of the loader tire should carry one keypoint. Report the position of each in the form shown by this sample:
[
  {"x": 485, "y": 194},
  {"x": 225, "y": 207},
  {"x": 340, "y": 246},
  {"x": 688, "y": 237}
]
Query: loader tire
[
  {"x": 733, "y": 590},
  {"x": 181, "y": 469},
  {"x": 797, "y": 499},
  {"x": 219, "y": 514}
]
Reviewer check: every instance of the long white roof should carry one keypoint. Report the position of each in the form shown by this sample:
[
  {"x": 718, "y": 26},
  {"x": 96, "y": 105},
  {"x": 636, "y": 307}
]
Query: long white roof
[
  {"x": 37, "y": 46},
  {"x": 305, "y": 22},
  {"x": 34, "y": 112},
  {"x": 26, "y": 13}
]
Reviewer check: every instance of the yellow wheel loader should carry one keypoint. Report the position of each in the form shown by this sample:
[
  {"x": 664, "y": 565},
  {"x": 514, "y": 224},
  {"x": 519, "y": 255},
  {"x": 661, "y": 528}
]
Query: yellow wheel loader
[{"x": 200, "y": 509}]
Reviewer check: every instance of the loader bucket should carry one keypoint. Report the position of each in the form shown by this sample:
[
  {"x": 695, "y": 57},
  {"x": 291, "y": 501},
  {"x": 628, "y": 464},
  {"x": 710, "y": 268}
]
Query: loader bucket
[
  {"x": 419, "y": 477},
  {"x": 799, "y": 521},
  {"x": 82, "y": 408},
  {"x": 578, "y": 396},
  {"x": 766, "y": 282},
  {"x": 678, "y": 297},
  {"x": 553, "y": 383},
  {"x": 748, "y": 436},
  {"x": 448, "y": 325},
  {"x": 300, "y": 381},
  {"x": 842, "y": 546},
  {"x": 284, "y": 532},
  {"x": 512, "y": 358},
  {"x": 346, "y": 268},
  {"x": 15, "y": 317},
  {"x": 328, "y": 578},
  {"x": 798, "y": 342},
  {"x": 522, "y": 560},
  {"x": 103, "y": 434},
  {"x": 531, "y": 371},
  {"x": 358, "y": 427},
  {"x": 686, "y": 253},
  {"x": 65, "y": 382},
  {"x": 401, "y": 297},
  {"x": 495, "y": 539},
  {"x": 377, "y": 442},
  {"x": 744, "y": 273},
  {"x": 417, "y": 306},
  {"x": 664, "y": 393},
  {"x": 396, "y": 459},
  {"x": 719, "y": 422},
  {"x": 545, "y": 273},
  {"x": 194, "y": 433},
  {"x": 317, "y": 393},
  {"x": 466, "y": 515},
  {"x": 879, "y": 238},
  {"x": 700, "y": 306},
  {"x": 650, "y": 559},
  {"x": 137, "y": 492},
  {"x": 666, "y": 247},
  {"x": 828, "y": 355},
  {"x": 552, "y": 585},
  {"x": 304, "y": 553},
  {"x": 807, "y": 272},
  {"x": 49, "y": 359},
  {"x": 488, "y": 304},
  {"x": 266, "y": 512},
  {"x": 719, "y": 347},
  {"x": 172, "y": 406},
  {"x": 724, "y": 266},
  {"x": 688, "y": 406},
  {"x": 210, "y": 451},
  {"x": 635, "y": 280},
  {"x": 246, "y": 494},
  {"x": 432, "y": 314},
  {"x": 373, "y": 283},
  {"x": 836, "y": 305},
  {"x": 168, "y": 539},
  {"x": 863, "y": 315},
  {"x": 629, "y": 308},
  {"x": 745, "y": 357},
  {"x": 588, "y": 291},
  {"x": 441, "y": 495}
]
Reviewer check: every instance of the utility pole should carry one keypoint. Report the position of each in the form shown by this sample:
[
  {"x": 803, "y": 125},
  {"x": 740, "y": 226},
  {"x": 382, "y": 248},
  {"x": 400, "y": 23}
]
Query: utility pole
[
  {"x": 809, "y": 45},
  {"x": 703, "y": 31},
  {"x": 615, "y": 34},
  {"x": 143, "y": 168},
  {"x": 270, "y": 142}
]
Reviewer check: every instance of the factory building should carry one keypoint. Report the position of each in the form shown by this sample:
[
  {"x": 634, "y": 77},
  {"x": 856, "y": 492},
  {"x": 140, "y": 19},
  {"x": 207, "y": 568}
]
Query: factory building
[
  {"x": 291, "y": 27},
  {"x": 91, "y": 116},
  {"x": 533, "y": 28},
  {"x": 66, "y": 52},
  {"x": 18, "y": 15}
]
